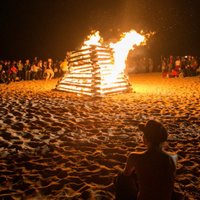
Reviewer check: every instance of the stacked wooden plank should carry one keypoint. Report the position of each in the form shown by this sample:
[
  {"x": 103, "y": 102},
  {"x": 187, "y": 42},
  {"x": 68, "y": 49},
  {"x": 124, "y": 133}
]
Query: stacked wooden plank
[{"x": 91, "y": 71}]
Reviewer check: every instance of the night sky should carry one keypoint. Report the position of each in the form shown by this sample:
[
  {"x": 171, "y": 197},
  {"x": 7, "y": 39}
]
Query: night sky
[{"x": 48, "y": 28}]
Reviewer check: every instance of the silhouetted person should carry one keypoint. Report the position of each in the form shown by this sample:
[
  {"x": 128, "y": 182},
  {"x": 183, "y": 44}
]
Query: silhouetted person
[{"x": 148, "y": 175}]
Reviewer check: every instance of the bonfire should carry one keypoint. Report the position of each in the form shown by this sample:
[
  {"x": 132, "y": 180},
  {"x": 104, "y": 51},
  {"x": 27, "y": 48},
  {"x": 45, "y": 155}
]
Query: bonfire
[{"x": 97, "y": 69}]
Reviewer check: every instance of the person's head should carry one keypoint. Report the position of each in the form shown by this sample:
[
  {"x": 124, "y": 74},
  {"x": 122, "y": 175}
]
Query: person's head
[
  {"x": 154, "y": 133},
  {"x": 50, "y": 60}
]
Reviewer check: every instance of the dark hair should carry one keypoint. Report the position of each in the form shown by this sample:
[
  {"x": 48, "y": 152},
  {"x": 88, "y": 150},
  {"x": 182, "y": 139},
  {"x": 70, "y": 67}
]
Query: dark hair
[{"x": 154, "y": 132}]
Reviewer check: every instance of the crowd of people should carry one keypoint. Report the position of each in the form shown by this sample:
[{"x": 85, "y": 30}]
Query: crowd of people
[
  {"x": 180, "y": 66},
  {"x": 30, "y": 70},
  {"x": 172, "y": 66},
  {"x": 38, "y": 69}
]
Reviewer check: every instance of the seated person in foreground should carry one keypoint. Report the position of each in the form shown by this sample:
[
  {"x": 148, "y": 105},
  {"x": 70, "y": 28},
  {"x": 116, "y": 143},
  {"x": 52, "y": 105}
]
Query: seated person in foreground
[{"x": 148, "y": 175}]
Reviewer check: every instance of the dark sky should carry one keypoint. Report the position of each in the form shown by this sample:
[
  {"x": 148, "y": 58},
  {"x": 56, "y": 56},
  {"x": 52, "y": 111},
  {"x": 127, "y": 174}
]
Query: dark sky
[{"x": 47, "y": 28}]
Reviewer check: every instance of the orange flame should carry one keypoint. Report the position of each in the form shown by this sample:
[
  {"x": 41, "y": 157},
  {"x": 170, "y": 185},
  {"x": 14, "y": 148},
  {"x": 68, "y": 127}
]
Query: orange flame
[
  {"x": 121, "y": 49},
  {"x": 93, "y": 39}
]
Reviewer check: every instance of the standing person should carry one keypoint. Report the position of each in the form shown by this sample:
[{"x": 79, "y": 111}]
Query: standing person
[
  {"x": 148, "y": 175},
  {"x": 7, "y": 67},
  {"x": 178, "y": 64},
  {"x": 183, "y": 67},
  {"x": 188, "y": 65},
  {"x": 44, "y": 67},
  {"x": 27, "y": 70},
  {"x": 13, "y": 71},
  {"x": 194, "y": 66},
  {"x": 4, "y": 74},
  {"x": 170, "y": 64},
  {"x": 20, "y": 67},
  {"x": 40, "y": 70}
]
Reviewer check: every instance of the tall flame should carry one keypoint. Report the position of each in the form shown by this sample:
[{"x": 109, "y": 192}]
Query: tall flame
[{"x": 121, "y": 49}]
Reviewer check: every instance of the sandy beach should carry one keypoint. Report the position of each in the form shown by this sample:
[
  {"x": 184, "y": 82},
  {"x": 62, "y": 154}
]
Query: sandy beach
[{"x": 56, "y": 145}]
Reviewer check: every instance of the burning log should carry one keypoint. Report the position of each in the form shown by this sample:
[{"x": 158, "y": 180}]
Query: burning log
[{"x": 91, "y": 73}]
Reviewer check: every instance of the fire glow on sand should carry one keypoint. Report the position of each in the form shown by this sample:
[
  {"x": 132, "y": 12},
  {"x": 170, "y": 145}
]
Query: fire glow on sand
[{"x": 97, "y": 68}]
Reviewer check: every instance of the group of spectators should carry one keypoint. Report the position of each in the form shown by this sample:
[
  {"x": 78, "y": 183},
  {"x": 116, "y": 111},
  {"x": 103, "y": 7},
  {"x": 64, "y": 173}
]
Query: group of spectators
[
  {"x": 38, "y": 69},
  {"x": 35, "y": 70},
  {"x": 180, "y": 66}
]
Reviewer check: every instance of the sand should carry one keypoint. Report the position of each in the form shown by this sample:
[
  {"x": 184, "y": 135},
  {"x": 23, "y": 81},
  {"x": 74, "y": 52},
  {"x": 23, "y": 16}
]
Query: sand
[{"x": 55, "y": 145}]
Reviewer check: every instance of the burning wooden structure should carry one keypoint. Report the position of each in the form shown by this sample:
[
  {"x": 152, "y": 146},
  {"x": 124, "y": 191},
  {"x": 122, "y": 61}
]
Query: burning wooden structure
[{"x": 91, "y": 72}]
